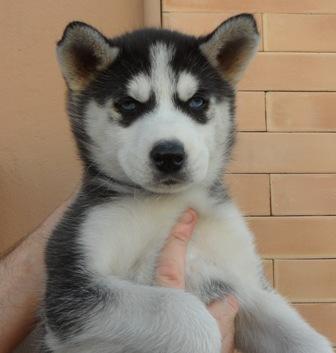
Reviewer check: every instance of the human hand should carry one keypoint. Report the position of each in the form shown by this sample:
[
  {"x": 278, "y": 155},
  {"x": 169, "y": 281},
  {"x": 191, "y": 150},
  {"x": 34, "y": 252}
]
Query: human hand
[
  {"x": 22, "y": 278},
  {"x": 170, "y": 273}
]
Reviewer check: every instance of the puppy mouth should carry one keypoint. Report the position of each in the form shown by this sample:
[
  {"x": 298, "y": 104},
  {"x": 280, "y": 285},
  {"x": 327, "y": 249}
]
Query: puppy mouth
[{"x": 170, "y": 182}]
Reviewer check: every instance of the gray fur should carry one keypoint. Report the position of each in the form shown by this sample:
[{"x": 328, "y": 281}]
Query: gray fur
[{"x": 266, "y": 323}]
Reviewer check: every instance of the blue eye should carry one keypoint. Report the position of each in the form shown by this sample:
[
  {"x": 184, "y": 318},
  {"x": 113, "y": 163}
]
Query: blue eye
[
  {"x": 196, "y": 102},
  {"x": 128, "y": 105}
]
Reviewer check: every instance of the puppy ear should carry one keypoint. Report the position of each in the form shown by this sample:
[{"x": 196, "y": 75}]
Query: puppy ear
[
  {"x": 231, "y": 46},
  {"x": 82, "y": 53}
]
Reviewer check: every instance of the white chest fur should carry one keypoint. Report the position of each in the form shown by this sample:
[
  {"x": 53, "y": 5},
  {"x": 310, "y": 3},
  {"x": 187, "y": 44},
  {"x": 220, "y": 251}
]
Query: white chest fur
[{"x": 124, "y": 237}]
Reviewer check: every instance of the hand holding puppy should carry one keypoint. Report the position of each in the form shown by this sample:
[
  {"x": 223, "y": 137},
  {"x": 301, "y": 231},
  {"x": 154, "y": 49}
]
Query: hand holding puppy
[{"x": 171, "y": 273}]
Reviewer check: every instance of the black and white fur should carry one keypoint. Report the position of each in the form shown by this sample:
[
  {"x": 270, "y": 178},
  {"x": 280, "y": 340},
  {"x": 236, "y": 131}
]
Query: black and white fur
[{"x": 126, "y": 96}]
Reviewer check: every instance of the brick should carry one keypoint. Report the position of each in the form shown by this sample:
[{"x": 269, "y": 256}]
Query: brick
[
  {"x": 291, "y": 72},
  {"x": 295, "y": 237},
  {"x": 283, "y": 6},
  {"x": 199, "y": 23},
  {"x": 251, "y": 192},
  {"x": 301, "y": 111},
  {"x": 297, "y": 32},
  {"x": 251, "y": 111},
  {"x": 268, "y": 270},
  {"x": 322, "y": 317},
  {"x": 260, "y": 152},
  {"x": 303, "y": 194},
  {"x": 306, "y": 280}
]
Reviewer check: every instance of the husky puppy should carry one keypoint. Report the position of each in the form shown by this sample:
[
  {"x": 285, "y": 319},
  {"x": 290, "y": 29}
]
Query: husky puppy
[{"x": 152, "y": 112}]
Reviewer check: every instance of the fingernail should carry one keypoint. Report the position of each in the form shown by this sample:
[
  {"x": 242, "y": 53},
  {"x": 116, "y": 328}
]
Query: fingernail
[
  {"x": 187, "y": 217},
  {"x": 233, "y": 302}
]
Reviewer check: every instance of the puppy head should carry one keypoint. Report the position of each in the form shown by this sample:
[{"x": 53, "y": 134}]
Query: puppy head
[{"x": 154, "y": 108}]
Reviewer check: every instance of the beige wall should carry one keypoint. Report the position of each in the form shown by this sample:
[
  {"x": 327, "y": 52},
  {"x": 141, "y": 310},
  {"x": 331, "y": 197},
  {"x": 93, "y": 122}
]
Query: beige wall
[
  {"x": 284, "y": 173},
  {"x": 38, "y": 164}
]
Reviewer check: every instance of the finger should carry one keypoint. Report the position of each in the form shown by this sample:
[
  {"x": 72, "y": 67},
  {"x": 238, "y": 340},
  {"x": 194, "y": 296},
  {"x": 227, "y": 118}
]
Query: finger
[
  {"x": 171, "y": 265},
  {"x": 225, "y": 312}
]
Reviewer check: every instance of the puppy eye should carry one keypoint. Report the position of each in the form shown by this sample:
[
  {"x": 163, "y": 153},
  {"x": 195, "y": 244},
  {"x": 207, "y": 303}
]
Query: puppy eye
[
  {"x": 128, "y": 105},
  {"x": 196, "y": 102}
]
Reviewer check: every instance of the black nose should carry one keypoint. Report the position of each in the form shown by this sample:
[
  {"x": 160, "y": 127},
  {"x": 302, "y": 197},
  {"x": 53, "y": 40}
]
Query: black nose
[{"x": 168, "y": 156}]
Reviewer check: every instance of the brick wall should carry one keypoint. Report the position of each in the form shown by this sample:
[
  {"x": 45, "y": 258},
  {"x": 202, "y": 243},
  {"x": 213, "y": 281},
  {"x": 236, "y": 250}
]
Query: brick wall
[{"x": 284, "y": 169}]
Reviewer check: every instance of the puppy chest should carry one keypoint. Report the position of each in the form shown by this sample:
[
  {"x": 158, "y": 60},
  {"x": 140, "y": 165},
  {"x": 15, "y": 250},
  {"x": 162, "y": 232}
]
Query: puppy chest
[{"x": 126, "y": 242}]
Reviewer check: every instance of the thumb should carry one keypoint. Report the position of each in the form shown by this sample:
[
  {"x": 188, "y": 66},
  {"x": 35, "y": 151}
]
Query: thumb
[{"x": 171, "y": 264}]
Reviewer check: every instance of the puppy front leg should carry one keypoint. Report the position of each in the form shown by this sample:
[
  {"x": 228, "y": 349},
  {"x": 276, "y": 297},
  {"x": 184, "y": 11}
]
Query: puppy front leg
[
  {"x": 124, "y": 317},
  {"x": 267, "y": 324}
]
